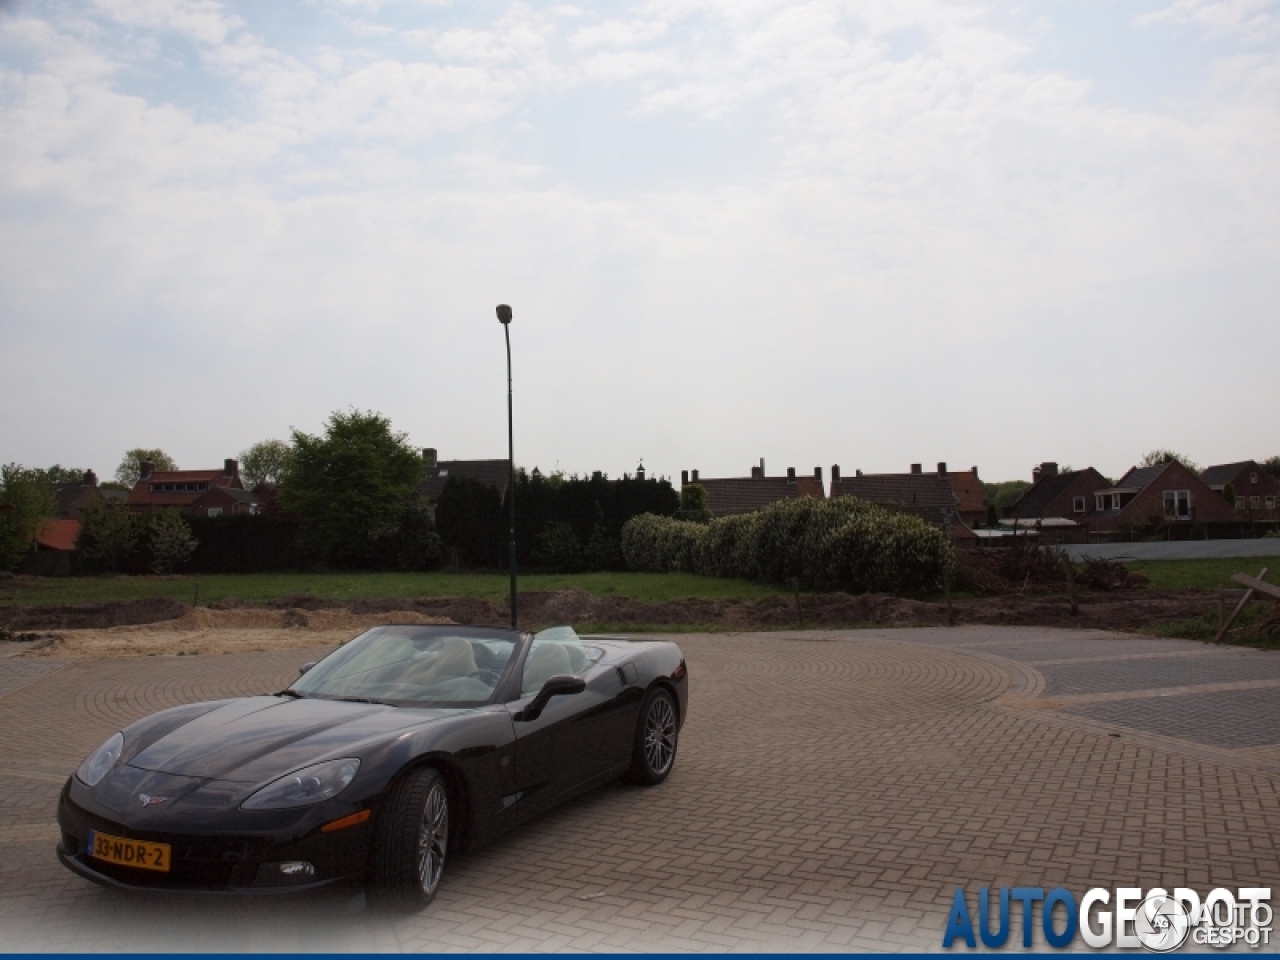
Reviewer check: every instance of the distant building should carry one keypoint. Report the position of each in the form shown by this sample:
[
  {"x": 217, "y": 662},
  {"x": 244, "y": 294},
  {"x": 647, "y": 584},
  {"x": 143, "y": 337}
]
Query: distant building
[
  {"x": 1054, "y": 495},
  {"x": 180, "y": 489},
  {"x": 727, "y": 496},
  {"x": 436, "y": 473},
  {"x": 1165, "y": 492},
  {"x": 1256, "y": 489},
  {"x": 72, "y": 498}
]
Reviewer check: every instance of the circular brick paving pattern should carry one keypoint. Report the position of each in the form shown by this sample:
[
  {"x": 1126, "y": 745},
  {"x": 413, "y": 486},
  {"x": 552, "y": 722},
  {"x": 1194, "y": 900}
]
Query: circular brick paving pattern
[{"x": 832, "y": 790}]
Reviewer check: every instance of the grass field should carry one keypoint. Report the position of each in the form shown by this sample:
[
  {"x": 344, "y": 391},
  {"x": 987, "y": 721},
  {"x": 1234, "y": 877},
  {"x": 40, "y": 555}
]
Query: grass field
[
  {"x": 258, "y": 588},
  {"x": 1203, "y": 574}
]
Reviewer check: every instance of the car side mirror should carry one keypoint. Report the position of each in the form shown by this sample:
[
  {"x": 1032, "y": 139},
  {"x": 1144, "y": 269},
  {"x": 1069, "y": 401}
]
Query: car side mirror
[
  {"x": 562, "y": 684},
  {"x": 306, "y": 666}
]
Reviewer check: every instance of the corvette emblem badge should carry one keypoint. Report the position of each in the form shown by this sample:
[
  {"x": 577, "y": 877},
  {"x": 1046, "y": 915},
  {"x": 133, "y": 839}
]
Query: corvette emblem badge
[{"x": 148, "y": 801}]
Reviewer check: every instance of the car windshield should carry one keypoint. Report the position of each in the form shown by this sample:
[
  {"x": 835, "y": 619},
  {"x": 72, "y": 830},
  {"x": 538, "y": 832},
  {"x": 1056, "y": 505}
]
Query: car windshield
[{"x": 413, "y": 666}]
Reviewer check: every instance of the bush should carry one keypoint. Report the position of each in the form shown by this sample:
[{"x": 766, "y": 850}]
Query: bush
[
  {"x": 170, "y": 540},
  {"x": 471, "y": 523},
  {"x": 558, "y": 549},
  {"x": 842, "y": 544}
]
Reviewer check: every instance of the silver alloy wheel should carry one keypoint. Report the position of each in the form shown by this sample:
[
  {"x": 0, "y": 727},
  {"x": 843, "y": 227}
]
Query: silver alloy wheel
[
  {"x": 660, "y": 735},
  {"x": 433, "y": 838}
]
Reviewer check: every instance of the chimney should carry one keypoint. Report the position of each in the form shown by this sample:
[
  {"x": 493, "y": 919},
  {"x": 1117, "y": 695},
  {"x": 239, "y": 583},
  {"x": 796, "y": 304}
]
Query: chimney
[
  {"x": 693, "y": 478},
  {"x": 835, "y": 473},
  {"x": 791, "y": 474},
  {"x": 429, "y": 456},
  {"x": 762, "y": 466},
  {"x": 916, "y": 468},
  {"x": 1035, "y": 474},
  {"x": 1048, "y": 469},
  {"x": 942, "y": 468},
  {"x": 757, "y": 473},
  {"x": 90, "y": 479},
  {"x": 817, "y": 474},
  {"x": 640, "y": 472},
  {"x": 974, "y": 470},
  {"x": 145, "y": 469},
  {"x": 684, "y": 478},
  {"x": 599, "y": 475},
  {"x": 230, "y": 468},
  {"x": 857, "y": 473}
]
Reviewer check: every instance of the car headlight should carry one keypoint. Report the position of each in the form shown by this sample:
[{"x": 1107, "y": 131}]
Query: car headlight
[
  {"x": 304, "y": 787},
  {"x": 100, "y": 762}
]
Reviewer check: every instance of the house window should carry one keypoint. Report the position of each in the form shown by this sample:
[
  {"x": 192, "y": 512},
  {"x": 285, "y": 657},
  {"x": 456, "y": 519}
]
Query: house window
[
  {"x": 1253, "y": 502},
  {"x": 1253, "y": 478},
  {"x": 1099, "y": 502},
  {"x": 1077, "y": 504},
  {"x": 1271, "y": 503},
  {"x": 1241, "y": 502},
  {"x": 1177, "y": 504},
  {"x": 1115, "y": 501},
  {"x": 215, "y": 511}
]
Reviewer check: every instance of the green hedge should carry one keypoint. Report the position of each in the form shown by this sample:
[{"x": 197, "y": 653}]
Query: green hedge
[{"x": 841, "y": 544}]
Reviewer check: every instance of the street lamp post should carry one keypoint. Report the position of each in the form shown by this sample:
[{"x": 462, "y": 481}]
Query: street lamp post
[{"x": 504, "y": 317}]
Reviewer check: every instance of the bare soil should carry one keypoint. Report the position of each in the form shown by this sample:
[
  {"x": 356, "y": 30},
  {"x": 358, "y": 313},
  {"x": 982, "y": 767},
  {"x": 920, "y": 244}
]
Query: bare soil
[{"x": 152, "y": 627}]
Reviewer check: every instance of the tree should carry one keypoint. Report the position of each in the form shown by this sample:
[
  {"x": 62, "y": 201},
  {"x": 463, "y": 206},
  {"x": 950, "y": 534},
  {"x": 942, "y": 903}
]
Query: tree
[
  {"x": 58, "y": 474},
  {"x": 350, "y": 485},
  {"x": 470, "y": 518},
  {"x": 170, "y": 540},
  {"x": 1158, "y": 456},
  {"x": 109, "y": 534},
  {"x": 1272, "y": 465},
  {"x": 693, "y": 503},
  {"x": 264, "y": 462},
  {"x": 26, "y": 498},
  {"x": 1229, "y": 493},
  {"x": 130, "y": 468}
]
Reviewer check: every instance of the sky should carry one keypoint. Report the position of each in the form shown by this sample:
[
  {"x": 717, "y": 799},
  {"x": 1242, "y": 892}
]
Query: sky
[{"x": 855, "y": 233}]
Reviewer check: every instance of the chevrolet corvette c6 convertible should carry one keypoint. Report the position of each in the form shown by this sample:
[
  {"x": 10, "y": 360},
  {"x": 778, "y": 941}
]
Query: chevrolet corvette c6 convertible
[{"x": 398, "y": 748}]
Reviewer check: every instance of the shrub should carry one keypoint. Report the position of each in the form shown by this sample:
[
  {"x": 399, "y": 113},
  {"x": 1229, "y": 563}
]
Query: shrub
[
  {"x": 558, "y": 549},
  {"x": 170, "y": 540},
  {"x": 843, "y": 544}
]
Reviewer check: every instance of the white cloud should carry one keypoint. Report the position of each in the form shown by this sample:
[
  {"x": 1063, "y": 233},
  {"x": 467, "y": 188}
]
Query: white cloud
[{"x": 728, "y": 229}]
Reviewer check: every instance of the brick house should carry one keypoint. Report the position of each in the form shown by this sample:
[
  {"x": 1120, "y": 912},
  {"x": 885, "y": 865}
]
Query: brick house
[
  {"x": 179, "y": 489},
  {"x": 731, "y": 495},
  {"x": 1166, "y": 492},
  {"x": 436, "y": 473},
  {"x": 225, "y": 502},
  {"x": 1257, "y": 490},
  {"x": 930, "y": 496},
  {"x": 72, "y": 498},
  {"x": 1056, "y": 496},
  {"x": 970, "y": 494}
]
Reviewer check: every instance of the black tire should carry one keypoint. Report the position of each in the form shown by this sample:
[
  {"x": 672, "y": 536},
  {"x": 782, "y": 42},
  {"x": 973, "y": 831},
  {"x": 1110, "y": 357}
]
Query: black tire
[
  {"x": 653, "y": 753},
  {"x": 410, "y": 843}
]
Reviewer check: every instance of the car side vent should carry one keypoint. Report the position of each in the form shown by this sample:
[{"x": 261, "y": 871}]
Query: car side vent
[{"x": 627, "y": 674}]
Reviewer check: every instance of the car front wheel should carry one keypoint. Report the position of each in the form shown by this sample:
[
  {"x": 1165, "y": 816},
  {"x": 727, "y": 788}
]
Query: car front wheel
[
  {"x": 410, "y": 843},
  {"x": 657, "y": 735}
]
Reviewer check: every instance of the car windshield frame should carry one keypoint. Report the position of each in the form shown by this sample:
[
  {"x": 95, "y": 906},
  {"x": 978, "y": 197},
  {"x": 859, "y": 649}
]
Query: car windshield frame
[{"x": 421, "y": 637}]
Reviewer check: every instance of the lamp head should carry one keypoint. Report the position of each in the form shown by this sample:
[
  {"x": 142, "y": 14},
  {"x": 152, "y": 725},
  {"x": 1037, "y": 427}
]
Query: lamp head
[{"x": 504, "y": 313}]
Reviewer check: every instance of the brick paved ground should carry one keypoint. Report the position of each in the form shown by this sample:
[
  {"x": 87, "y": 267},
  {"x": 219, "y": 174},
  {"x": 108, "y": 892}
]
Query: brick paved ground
[{"x": 831, "y": 791}]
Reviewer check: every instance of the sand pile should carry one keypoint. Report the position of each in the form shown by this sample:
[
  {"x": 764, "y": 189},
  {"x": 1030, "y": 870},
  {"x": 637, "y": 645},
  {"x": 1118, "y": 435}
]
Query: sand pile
[{"x": 204, "y": 631}]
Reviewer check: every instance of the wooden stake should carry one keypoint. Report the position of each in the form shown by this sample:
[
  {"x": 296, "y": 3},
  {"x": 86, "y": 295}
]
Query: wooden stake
[{"x": 1248, "y": 595}]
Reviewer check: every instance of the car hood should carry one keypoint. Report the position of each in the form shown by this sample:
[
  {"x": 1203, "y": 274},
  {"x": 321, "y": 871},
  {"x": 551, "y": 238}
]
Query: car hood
[{"x": 261, "y": 738}]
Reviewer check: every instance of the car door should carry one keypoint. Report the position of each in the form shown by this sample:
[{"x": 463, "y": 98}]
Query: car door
[{"x": 570, "y": 742}]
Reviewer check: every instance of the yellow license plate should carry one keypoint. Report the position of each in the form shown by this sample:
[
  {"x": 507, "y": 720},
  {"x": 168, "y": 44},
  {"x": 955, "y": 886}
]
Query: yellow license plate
[{"x": 129, "y": 853}]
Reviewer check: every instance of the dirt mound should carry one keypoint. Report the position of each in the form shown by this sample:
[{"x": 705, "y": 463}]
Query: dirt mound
[
  {"x": 92, "y": 616},
  {"x": 205, "y": 631}
]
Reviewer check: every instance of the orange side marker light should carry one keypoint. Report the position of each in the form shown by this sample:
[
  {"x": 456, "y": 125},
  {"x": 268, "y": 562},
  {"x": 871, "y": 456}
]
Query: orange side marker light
[{"x": 344, "y": 822}]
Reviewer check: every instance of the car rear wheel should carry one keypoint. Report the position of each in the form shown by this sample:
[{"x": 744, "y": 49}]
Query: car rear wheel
[
  {"x": 410, "y": 843},
  {"x": 657, "y": 736}
]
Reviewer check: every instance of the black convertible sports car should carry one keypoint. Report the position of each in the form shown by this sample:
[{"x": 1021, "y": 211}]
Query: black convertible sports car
[{"x": 400, "y": 746}]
